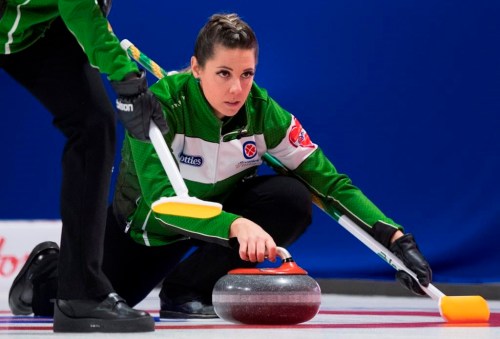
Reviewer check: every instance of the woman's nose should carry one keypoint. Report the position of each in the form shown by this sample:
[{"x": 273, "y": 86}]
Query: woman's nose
[{"x": 235, "y": 86}]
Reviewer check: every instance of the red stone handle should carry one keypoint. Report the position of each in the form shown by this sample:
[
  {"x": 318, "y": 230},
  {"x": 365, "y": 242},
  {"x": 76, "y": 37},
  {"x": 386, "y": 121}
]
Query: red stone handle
[{"x": 288, "y": 266}]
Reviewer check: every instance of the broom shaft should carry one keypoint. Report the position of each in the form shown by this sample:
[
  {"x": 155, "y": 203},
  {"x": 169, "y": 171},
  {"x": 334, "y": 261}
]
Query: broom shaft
[{"x": 167, "y": 160}]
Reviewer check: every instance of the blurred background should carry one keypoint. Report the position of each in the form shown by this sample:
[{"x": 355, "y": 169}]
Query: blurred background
[{"x": 403, "y": 96}]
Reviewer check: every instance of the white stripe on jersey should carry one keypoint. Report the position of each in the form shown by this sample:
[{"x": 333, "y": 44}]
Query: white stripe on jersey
[
  {"x": 10, "y": 34},
  {"x": 207, "y": 162}
]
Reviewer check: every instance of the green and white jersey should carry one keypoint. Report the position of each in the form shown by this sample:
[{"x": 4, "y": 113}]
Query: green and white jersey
[
  {"x": 26, "y": 21},
  {"x": 215, "y": 155}
]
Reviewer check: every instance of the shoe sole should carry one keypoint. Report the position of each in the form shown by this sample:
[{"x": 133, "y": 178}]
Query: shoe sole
[
  {"x": 15, "y": 302},
  {"x": 180, "y": 315},
  {"x": 65, "y": 324}
]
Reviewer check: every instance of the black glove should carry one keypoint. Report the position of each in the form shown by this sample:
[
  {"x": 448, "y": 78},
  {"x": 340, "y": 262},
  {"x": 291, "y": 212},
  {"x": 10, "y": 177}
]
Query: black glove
[
  {"x": 136, "y": 106},
  {"x": 406, "y": 249},
  {"x": 105, "y": 6}
]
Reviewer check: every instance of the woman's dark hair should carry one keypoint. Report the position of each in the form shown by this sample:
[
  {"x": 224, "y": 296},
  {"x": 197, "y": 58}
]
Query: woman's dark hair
[{"x": 227, "y": 30}]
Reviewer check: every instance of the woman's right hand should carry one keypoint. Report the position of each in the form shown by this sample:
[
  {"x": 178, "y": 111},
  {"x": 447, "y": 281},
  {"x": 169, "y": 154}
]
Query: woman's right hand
[{"x": 255, "y": 243}]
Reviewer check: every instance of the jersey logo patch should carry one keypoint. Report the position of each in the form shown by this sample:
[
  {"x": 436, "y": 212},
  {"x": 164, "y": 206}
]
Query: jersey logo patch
[
  {"x": 191, "y": 160},
  {"x": 298, "y": 136},
  {"x": 249, "y": 149}
]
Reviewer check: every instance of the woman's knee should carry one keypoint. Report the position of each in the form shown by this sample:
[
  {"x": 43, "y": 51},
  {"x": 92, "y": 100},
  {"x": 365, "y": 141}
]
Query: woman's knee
[
  {"x": 290, "y": 212},
  {"x": 296, "y": 198}
]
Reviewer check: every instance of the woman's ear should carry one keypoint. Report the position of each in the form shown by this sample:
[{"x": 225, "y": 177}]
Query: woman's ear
[{"x": 195, "y": 67}]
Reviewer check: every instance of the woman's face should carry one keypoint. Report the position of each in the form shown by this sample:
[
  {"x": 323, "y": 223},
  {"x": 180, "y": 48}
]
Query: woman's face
[{"x": 226, "y": 79}]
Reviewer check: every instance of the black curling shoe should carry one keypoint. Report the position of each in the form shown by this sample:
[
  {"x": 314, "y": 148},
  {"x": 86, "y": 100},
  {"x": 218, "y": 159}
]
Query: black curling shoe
[
  {"x": 112, "y": 315},
  {"x": 194, "y": 309},
  {"x": 21, "y": 291}
]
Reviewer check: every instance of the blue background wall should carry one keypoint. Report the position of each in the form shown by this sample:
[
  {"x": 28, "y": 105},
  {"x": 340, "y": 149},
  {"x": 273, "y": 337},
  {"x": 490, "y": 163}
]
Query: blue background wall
[{"x": 403, "y": 96}]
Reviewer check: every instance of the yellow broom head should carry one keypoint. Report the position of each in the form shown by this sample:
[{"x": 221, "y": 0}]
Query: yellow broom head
[
  {"x": 187, "y": 207},
  {"x": 464, "y": 309}
]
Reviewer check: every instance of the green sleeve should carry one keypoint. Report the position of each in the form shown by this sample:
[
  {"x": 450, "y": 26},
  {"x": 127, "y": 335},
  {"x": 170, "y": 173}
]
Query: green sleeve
[
  {"x": 337, "y": 195},
  {"x": 214, "y": 230},
  {"x": 150, "y": 172},
  {"x": 87, "y": 23}
]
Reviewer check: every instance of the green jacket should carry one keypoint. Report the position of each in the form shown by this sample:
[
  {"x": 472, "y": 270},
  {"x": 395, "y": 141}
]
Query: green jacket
[
  {"x": 25, "y": 21},
  {"x": 215, "y": 155}
]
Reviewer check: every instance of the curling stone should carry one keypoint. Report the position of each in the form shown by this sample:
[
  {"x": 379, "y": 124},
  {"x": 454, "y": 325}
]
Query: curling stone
[{"x": 285, "y": 295}]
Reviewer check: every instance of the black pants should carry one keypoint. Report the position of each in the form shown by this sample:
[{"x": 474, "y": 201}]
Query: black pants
[
  {"x": 57, "y": 72},
  {"x": 280, "y": 205}
]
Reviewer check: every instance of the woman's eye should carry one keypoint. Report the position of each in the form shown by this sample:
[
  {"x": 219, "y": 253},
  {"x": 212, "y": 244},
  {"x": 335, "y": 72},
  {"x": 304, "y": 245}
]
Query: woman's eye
[
  {"x": 248, "y": 74},
  {"x": 223, "y": 74}
]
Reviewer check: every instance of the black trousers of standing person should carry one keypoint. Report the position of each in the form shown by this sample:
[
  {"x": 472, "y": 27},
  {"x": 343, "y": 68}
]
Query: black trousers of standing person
[
  {"x": 280, "y": 205},
  {"x": 56, "y": 71}
]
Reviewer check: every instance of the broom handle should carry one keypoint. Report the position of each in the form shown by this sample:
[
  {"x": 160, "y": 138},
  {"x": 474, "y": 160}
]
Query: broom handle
[
  {"x": 155, "y": 135},
  {"x": 143, "y": 60},
  {"x": 167, "y": 160}
]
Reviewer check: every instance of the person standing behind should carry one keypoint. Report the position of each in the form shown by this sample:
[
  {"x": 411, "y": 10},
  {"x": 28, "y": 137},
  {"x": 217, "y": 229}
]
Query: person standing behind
[{"x": 56, "y": 49}]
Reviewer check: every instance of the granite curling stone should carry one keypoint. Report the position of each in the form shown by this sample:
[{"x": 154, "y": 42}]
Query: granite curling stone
[{"x": 267, "y": 296}]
